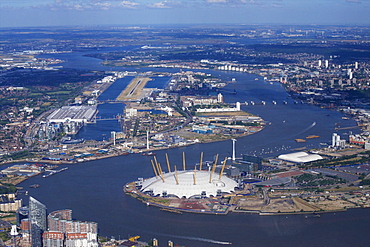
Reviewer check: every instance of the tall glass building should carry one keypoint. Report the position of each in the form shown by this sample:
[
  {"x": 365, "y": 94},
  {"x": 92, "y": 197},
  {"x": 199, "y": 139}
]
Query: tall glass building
[{"x": 37, "y": 218}]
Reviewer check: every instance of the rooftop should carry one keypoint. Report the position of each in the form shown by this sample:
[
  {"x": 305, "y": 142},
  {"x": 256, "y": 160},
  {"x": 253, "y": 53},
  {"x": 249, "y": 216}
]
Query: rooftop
[
  {"x": 73, "y": 113},
  {"x": 190, "y": 184},
  {"x": 300, "y": 157}
]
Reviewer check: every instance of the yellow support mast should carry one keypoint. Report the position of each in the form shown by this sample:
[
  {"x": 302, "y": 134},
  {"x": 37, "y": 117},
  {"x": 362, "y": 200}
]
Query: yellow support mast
[
  {"x": 162, "y": 176},
  {"x": 154, "y": 169},
  {"x": 213, "y": 169},
  {"x": 195, "y": 175},
  {"x": 183, "y": 161},
  {"x": 157, "y": 165},
  {"x": 201, "y": 161},
  {"x": 223, "y": 168},
  {"x": 159, "y": 169},
  {"x": 176, "y": 176},
  {"x": 216, "y": 161},
  {"x": 168, "y": 163}
]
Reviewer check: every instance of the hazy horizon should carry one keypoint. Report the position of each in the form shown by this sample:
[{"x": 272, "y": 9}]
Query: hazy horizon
[{"x": 38, "y": 13}]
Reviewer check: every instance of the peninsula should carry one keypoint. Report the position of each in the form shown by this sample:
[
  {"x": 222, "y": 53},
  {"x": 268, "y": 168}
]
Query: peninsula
[{"x": 212, "y": 188}]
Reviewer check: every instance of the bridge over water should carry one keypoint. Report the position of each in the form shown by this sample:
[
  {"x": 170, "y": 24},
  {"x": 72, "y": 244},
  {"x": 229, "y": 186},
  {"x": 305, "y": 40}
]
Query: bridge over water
[
  {"x": 109, "y": 101},
  {"x": 266, "y": 103},
  {"x": 118, "y": 118}
]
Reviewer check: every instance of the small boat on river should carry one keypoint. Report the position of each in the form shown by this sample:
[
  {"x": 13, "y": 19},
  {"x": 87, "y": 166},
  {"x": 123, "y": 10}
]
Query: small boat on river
[{"x": 149, "y": 154}]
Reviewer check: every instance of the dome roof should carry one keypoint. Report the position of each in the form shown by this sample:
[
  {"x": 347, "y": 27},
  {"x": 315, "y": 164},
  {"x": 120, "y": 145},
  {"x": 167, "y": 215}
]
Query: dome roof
[
  {"x": 300, "y": 157},
  {"x": 190, "y": 184}
]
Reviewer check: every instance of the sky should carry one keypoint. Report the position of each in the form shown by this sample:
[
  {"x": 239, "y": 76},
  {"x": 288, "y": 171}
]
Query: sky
[{"x": 28, "y": 13}]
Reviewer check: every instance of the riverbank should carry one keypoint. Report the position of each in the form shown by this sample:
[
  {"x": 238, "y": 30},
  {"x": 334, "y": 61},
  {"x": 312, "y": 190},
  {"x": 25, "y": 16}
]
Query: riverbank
[
  {"x": 238, "y": 203},
  {"x": 96, "y": 150},
  {"x": 148, "y": 221}
]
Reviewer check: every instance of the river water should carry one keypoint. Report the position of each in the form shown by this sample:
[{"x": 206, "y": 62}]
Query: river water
[
  {"x": 107, "y": 112},
  {"x": 93, "y": 190}
]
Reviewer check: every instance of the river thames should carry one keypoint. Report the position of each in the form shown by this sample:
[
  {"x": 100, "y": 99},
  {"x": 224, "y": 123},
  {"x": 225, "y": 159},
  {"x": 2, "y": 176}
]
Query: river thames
[{"x": 93, "y": 190}]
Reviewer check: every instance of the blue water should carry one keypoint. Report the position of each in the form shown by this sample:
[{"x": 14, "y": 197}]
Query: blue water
[
  {"x": 94, "y": 189},
  {"x": 101, "y": 130},
  {"x": 158, "y": 82},
  {"x": 285, "y": 122},
  {"x": 153, "y": 111},
  {"x": 116, "y": 88}
]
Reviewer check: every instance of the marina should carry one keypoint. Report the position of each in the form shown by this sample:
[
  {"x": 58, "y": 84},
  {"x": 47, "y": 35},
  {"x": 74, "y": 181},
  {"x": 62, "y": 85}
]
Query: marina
[{"x": 52, "y": 172}]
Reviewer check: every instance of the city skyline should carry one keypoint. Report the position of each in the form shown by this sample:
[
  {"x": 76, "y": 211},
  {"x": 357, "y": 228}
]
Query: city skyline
[{"x": 21, "y": 13}]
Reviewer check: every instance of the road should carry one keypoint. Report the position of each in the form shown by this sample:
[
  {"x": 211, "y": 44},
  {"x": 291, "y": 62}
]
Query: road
[{"x": 31, "y": 131}]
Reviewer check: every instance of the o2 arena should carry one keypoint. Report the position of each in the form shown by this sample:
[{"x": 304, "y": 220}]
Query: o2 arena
[{"x": 196, "y": 183}]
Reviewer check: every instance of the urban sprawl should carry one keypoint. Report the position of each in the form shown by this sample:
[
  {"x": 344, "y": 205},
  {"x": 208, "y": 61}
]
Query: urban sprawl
[{"x": 44, "y": 105}]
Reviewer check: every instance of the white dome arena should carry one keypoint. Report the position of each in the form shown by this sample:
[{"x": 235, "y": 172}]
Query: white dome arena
[
  {"x": 300, "y": 157},
  {"x": 188, "y": 186}
]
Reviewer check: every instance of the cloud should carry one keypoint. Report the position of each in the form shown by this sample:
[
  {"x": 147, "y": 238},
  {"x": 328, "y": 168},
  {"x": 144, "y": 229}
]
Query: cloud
[
  {"x": 80, "y": 5},
  {"x": 277, "y": 5},
  {"x": 128, "y": 4},
  {"x": 216, "y": 1},
  {"x": 236, "y": 2},
  {"x": 77, "y": 7},
  {"x": 103, "y": 6},
  {"x": 161, "y": 5}
]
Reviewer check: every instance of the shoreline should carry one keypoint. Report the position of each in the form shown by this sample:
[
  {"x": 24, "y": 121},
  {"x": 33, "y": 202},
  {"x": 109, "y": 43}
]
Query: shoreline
[
  {"x": 230, "y": 209},
  {"x": 174, "y": 209},
  {"x": 138, "y": 151},
  {"x": 106, "y": 86}
]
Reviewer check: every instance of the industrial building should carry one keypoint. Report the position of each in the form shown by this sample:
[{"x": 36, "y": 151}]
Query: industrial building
[
  {"x": 72, "y": 118},
  {"x": 188, "y": 101},
  {"x": 79, "y": 114},
  {"x": 203, "y": 128}
]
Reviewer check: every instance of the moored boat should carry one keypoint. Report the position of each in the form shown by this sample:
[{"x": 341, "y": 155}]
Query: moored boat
[
  {"x": 312, "y": 136},
  {"x": 149, "y": 154},
  {"x": 300, "y": 140}
]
